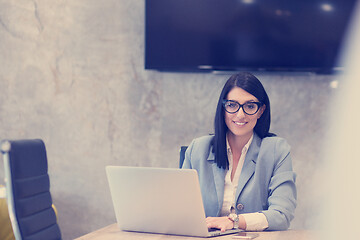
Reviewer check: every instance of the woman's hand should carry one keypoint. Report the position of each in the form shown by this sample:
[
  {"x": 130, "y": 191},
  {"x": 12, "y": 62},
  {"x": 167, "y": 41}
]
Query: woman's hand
[{"x": 222, "y": 223}]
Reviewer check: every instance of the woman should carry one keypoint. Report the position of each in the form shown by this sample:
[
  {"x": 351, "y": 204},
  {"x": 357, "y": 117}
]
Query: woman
[{"x": 245, "y": 172}]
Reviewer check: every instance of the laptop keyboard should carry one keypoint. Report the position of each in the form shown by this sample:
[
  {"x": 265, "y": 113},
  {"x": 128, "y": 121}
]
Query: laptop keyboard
[{"x": 213, "y": 229}]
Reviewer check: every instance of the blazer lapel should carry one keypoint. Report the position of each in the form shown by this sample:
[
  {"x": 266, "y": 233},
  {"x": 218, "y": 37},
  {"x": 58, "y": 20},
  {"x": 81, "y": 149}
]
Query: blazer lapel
[
  {"x": 249, "y": 165},
  {"x": 219, "y": 179}
]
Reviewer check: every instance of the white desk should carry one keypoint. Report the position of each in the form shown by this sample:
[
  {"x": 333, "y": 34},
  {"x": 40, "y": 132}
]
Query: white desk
[{"x": 112, "y": 232}]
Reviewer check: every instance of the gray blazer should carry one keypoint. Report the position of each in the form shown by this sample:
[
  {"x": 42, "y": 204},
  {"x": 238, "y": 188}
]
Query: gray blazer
[{"x": 266, "y": 183}]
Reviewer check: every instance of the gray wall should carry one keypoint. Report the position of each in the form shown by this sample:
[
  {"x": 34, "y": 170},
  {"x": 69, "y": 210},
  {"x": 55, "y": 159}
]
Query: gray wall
[{"x": 72, "y": 73}]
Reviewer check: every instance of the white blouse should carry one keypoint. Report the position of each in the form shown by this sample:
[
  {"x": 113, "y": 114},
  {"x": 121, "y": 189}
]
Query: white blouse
[{"x": 254, "y": 221}]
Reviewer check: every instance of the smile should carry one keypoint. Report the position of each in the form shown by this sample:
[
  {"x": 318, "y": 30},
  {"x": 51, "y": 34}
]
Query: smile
[{"x": 240, "y": 123}]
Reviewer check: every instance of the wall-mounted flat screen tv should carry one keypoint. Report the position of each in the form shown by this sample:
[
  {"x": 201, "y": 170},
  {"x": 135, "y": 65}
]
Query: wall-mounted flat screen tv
[{"x": 231, "y": 35}]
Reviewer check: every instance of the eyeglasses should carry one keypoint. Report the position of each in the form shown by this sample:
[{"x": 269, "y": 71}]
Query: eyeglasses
[{"x": 250, "y": 108}]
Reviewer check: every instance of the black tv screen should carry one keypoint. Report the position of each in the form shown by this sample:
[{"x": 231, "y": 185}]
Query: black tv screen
[{"x": 228, "y": 35}]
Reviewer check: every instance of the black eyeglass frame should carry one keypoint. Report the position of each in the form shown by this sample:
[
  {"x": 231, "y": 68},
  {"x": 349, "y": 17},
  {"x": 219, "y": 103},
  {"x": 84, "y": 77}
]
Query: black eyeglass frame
[{"x": 259, "y": 104}]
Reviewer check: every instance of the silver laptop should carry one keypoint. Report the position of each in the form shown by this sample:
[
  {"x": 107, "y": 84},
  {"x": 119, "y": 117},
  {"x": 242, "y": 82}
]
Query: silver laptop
[{"x": 158, "y": 200}]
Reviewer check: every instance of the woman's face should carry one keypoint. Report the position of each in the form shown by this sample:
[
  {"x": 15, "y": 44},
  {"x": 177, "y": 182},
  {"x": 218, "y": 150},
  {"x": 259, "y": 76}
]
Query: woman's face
[{"x": 241, "y": 124}]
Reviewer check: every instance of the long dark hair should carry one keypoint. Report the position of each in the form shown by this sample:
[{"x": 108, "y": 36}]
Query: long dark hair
[{"x": 252, "y": 85}]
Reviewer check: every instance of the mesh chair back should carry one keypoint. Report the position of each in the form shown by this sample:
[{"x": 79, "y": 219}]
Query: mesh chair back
[
  {"x": 28, "y": 190},
  {"x": 182, "y": 155}
]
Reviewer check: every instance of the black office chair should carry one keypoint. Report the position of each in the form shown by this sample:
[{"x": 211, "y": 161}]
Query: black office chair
[
  {"x": 28, "y": 190},
  {"x": 182, "y": 155}
]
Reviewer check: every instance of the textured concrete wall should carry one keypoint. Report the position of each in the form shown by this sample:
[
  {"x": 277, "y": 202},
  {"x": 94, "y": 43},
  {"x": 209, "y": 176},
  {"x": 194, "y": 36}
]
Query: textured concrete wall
[{"x": 72, "y": 73}]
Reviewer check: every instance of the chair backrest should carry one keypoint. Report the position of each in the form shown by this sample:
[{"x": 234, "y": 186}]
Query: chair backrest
[
  {"x": 182, "y": 155},
  {"x": 28, "y": 190}
]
